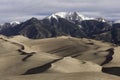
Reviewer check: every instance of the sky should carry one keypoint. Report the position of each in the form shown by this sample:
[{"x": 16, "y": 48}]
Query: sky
[{"x": 21, "y": 10}]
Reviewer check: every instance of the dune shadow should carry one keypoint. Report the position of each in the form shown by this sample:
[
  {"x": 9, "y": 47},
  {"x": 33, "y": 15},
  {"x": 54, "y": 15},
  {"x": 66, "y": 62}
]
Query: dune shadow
[
  {"x": 109, "y": 57},
  {"x": 40, "y": 69},
  {"x": 112, "y": 70},
  {"x": 90, "y": 43},
  {"x": 28, "y": 56}
]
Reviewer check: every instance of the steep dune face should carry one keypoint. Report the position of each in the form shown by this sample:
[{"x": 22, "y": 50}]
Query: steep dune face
[{"x": 55, "y": 57}]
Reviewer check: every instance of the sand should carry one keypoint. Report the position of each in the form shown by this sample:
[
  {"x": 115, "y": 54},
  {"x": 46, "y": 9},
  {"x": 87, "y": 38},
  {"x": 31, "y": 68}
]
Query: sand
[{"x": 60, "y": 58}]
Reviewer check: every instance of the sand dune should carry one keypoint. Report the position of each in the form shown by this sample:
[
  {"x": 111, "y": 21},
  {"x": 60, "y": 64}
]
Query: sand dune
[
  {"x": 83, "y": 49},
  {"x": 71, "y": 65},
  {"x": 15, "y": 62},
  {"x": 61, "y": 58}
]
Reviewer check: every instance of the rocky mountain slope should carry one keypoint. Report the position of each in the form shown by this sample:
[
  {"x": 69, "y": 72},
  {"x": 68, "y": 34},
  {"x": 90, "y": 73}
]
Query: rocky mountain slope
[{"x": 66, "y": 23}]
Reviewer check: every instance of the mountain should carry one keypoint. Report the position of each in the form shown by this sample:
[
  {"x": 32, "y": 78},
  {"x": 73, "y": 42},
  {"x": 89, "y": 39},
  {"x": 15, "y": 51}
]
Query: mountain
[
  {"x": 78, "y": 25},
  {"x": 8, "y": 25},
  {"x": 116, "y": 33},
  {"x": 31, "y": 28},
  {"x": 5, "y": 28},
  {"x": 65, "y": 23}
]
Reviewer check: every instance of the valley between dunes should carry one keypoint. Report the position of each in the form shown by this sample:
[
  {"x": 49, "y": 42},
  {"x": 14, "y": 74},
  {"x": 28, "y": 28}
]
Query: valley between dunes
[{"x": 60, "y": 58}]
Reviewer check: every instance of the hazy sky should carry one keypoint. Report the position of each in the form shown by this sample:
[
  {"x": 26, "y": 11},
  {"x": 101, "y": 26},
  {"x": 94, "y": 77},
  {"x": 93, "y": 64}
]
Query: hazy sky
[{"x": 12, "y": 10}]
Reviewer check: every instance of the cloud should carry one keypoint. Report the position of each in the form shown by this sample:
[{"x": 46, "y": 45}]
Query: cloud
[{"x": 23, "y": 9}]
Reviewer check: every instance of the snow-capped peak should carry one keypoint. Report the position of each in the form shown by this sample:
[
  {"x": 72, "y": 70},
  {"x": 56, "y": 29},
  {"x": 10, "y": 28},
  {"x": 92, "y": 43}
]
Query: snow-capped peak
[
  {"x": 72, "y": 16},
  {"x": 60, "y": 14},
  {"x": 101, "y": 19},
  {"x": 77, "y": 16},
  {"x": 14, "y": 22}
]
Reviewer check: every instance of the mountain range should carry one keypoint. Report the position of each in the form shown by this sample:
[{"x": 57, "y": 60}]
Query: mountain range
[{"x": 65, "y": 23}]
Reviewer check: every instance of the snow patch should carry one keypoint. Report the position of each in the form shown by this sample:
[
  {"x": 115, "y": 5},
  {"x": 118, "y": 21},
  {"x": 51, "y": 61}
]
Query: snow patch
[
  {"x": 71, "y": 16},
  {"x": 14, "y": 22}
]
